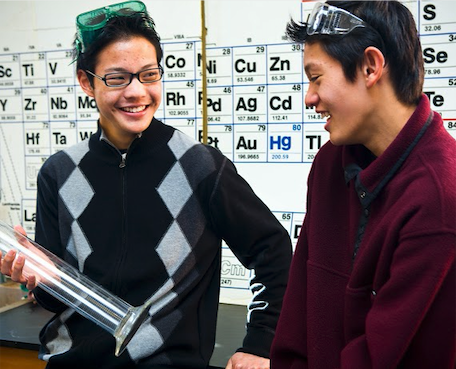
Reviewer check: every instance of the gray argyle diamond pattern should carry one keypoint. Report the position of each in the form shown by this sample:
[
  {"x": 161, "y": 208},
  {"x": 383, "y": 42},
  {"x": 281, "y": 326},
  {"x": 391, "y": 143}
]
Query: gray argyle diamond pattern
[
  {"x": 83, "y": 247},
  {"x": 175, "y": 191},
  {"x": 77, "y": 183},
  {"x": 179, "y": 144},
  {"x": 173, "y": 248}
]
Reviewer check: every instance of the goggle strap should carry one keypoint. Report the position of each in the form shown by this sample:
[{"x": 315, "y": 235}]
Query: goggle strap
[{"x": 87, "y": 33}]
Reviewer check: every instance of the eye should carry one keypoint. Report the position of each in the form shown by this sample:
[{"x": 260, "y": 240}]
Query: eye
[
  {"x": 313, "y": 79},
  {"x": 116, "y": 78},
  {"x": 150, "y": 75}
]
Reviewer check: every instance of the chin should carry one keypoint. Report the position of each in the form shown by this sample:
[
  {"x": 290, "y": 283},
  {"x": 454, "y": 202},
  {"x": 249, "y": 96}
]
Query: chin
[
  {"x": 141, "y": 127},
  {"x": 343, "y": 141},
  {"x": 335, "y": 141}
]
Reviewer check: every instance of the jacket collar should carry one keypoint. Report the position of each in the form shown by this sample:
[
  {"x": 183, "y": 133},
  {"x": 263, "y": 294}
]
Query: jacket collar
[
  {"x": 149, "y": 141},
  {"x": 372, "y": 174}
]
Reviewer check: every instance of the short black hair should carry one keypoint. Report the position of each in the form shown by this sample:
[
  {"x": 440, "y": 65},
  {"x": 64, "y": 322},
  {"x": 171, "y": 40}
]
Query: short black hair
[
  {"x": 117, "y": 28},
  {"x": 391, "y": 28}
]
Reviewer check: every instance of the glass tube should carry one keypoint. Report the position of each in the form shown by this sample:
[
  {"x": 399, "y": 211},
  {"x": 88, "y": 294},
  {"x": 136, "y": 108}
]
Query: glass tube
[{"x": 68, "y": 285}]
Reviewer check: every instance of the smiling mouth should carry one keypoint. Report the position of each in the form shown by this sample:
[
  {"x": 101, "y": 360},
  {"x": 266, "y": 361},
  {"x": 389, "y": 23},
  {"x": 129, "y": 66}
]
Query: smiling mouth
[
  {"x": 325, "y": 114},
  {"x": 135, "y": 109}
]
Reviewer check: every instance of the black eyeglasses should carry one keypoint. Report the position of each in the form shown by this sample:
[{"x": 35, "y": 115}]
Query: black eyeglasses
[{"x": 120, "y": 79}]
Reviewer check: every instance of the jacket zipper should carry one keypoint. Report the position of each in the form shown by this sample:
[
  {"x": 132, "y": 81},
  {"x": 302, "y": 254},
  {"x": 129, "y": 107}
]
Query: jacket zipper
[
  {"x": 118, "y": 280},
  {"x": 123, "y": 161}
]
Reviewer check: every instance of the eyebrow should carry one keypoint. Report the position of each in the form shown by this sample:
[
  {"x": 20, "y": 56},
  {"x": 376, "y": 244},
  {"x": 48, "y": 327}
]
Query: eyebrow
[
  {"x": 308, "y": 67},
  {"x": 118, "y": 69}
]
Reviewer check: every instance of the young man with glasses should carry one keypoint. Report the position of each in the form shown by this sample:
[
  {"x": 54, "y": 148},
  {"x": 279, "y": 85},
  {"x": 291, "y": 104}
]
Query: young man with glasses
[
  {"x": 372, "y": 281},
  {"x": 142, "y": 209}
]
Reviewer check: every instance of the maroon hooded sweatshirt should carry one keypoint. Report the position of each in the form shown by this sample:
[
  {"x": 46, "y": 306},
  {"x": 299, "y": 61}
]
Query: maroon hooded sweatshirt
[{"x": 373, "y": 282}]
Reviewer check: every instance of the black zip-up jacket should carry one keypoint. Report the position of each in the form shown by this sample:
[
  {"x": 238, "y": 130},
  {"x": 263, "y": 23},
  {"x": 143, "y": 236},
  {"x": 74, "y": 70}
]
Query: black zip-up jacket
[{"x": 149, "y": 225}]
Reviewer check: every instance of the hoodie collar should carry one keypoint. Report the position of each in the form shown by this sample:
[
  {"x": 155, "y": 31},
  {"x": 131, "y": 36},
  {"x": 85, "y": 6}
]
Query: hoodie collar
[{"x": 374, "y": 173}]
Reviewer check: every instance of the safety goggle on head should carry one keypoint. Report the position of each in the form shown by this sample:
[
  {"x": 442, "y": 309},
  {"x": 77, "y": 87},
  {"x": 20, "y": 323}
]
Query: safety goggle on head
[
  {"x": 90, "y": 24},
  {"x": 329, "y": 20}
]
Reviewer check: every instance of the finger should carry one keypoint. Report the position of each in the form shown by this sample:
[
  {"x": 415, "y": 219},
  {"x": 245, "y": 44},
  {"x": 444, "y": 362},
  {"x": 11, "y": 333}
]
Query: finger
[
  {"x": 31, "y": 297},
  {"x": 16, "y": 272},
  {"x": 31, "y": 282},
  {"x": 18, "y": 228},
  {"x": 21, "y": 236},
  {"x": 7, "y": 262}
]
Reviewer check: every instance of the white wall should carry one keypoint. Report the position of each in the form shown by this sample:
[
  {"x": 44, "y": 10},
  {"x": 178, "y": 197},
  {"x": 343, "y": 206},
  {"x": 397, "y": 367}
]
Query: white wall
[{"x": 35, "y": 37}]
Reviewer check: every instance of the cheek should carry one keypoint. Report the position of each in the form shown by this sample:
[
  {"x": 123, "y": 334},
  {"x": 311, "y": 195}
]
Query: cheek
[
  {"x": 344, "y": 98},
  {"x": 105, "y": 100},
  {"x": 157, "y": 94}
]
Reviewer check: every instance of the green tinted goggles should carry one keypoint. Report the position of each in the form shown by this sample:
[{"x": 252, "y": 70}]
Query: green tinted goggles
[{"x": 90, "y": 24}]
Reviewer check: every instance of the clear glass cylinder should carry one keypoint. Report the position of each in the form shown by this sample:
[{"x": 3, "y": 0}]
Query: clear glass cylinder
[{"x": 71, "y": 287}]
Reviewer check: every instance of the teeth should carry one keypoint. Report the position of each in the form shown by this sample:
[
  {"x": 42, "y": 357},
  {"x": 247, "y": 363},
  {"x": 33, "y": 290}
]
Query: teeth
[
  {"x": 135, "y": 109},
  {"x": 325, "y": 115}
]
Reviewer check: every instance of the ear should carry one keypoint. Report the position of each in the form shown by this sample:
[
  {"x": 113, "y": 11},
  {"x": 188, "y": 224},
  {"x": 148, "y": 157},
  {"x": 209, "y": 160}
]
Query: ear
[
  {"x": 84, "y": 82},
  {"x": 373, "y": 65}
]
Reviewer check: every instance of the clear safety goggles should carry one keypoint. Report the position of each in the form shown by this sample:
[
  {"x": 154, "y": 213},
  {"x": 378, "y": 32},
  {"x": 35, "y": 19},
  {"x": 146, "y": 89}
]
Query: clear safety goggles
[
  {"x": 89, "y": 24},
  {"x": 329, "y": 20}
]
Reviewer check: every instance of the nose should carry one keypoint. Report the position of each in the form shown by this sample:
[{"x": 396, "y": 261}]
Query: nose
[
  {"x": 311, "y": 98},
  {"x": 135, "y": 88}
]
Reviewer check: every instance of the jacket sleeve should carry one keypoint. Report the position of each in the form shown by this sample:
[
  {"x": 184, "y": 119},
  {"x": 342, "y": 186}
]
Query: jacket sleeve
[
  {"x": 47, "y": 231},
  {"x": 261, "y": 243},
  {"x": 414, "y": 311},
  {"x": 289, "y": 348}
]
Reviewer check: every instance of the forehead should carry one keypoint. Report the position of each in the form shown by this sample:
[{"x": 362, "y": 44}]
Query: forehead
[
  {"x": 128, "y": 50},
  {"x": 315, "y": 57},
  {"x": 136, "y": 43}
]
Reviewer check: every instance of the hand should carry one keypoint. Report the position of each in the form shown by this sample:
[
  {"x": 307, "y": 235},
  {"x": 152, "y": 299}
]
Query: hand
[
  {"x": 13, "y": 267},
  {"x": 241, "y": 360}
]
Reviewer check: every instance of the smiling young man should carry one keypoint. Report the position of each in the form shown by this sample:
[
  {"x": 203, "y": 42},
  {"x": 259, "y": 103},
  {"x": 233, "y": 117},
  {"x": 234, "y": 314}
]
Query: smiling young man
[
  {"x": 372, "y": 282},
  {"x": 142, "y": 209}
]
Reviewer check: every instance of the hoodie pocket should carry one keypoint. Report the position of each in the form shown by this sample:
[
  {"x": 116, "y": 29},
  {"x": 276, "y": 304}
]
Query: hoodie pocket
[
  {"x": 325, "y": 314},
  {"x": 358, "y": 302}
]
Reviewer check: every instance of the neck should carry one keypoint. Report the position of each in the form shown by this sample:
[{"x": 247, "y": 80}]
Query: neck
[
  {"x": 120, "y": 141},
  {"x": 121, "y": 144},
  {"x": 391, "y": 116}
]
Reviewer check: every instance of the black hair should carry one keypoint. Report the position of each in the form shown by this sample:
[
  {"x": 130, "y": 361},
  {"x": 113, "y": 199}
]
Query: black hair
[
  {"x": 391, "y": 28},
  {"x": 117, "y": 28}
]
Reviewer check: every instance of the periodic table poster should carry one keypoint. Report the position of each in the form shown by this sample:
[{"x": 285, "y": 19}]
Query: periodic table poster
[{"x": 255, "y": 93}]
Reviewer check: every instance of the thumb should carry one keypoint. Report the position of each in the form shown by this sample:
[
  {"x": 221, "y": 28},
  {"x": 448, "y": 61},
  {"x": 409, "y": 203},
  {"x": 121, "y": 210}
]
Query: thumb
[{"x": 229, "y": 365}]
